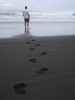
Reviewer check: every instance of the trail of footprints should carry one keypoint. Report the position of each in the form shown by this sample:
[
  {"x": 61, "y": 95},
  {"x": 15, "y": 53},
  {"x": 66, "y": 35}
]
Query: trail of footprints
[{"x": 20, "y": 87}]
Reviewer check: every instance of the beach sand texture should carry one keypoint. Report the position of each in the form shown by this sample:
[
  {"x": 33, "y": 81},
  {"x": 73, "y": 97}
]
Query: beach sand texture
[{"x": 37, "y": 68}]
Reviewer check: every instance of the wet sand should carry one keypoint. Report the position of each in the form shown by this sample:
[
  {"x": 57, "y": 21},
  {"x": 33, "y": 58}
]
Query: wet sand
[{"x": 45, "y": 66}]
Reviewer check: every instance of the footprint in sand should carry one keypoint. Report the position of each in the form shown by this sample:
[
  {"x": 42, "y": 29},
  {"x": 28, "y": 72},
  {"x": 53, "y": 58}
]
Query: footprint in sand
[
  {"x": 32, "y": 49},
  {"x": 41, "y": 70},
  {"x": 20, "y": 92},
  {"x": 28, "y": 42},
  {"x": 33, "y": 40},
  {"x": 37, "y": 45},
  {"x": 43, "y": 53},
  {"x": 20, "y": 88},
  {"x": 33, "y": 60}
]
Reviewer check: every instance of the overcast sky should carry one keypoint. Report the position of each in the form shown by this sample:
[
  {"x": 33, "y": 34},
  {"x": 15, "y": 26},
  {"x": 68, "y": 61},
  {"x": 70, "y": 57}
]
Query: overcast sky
[{"x": 42, "y": 5}]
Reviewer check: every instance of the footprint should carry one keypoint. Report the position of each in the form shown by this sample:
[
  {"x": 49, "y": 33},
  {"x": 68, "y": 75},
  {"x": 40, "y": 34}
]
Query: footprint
[
  {"x": 43, "y": 53},
  {"x": 19, "y": 88},
  {"x": 42, "y": 70},
  {"x": 32, "y": 49},
  {"x": 33, "y": 60},
  {"x": 37, "y": 44},
  {"x": 27, "y": 42},
  {"x": 20, "y": 91},
  {"x": 33, "y": 40},
  {"x": 20, "y": 85}
]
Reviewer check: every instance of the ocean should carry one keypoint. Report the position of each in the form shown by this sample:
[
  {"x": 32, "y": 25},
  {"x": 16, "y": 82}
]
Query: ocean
[{"x": 40, "y": 25}]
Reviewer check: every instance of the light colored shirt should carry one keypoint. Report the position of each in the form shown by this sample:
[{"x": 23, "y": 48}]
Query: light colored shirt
[{"x": 26, "y": 14}]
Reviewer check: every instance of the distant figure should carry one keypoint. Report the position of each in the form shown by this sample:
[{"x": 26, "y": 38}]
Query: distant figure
[{"x": 26, "y": 19}]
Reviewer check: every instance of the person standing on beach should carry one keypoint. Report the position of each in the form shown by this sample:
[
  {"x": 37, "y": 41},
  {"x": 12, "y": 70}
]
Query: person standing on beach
[{"x": 26, "y": 19}]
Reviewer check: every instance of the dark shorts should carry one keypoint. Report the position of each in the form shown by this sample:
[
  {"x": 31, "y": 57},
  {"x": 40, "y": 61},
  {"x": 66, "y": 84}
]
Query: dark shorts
[{"x": 26, "y": 20}]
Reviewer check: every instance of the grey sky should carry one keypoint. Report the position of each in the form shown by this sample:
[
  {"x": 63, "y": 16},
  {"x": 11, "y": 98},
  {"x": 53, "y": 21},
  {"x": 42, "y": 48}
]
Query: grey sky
[{"x": 43, "y": 5}]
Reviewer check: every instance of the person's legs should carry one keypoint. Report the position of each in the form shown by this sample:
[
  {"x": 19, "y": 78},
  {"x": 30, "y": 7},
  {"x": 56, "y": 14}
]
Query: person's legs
[
  {"x": 25, "y": 21},
  {"x": 25, "y": 25},
  {"x": 28, "y": 25}
]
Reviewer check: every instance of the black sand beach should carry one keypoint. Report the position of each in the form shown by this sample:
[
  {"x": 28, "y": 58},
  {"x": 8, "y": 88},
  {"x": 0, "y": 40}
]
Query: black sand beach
[{"x": 37, "y": 68}]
